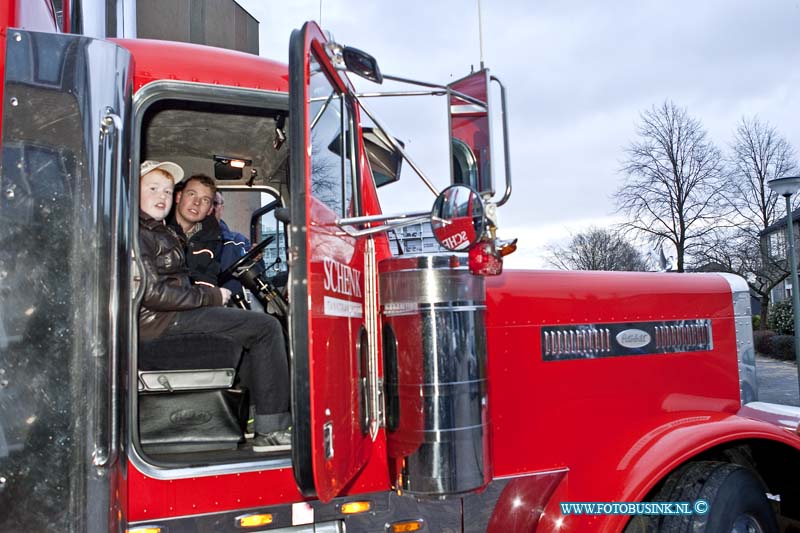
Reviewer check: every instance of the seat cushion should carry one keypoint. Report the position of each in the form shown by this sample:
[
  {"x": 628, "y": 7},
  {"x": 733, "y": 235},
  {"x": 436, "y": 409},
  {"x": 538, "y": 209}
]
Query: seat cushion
[{"x": 188, "y": 352}]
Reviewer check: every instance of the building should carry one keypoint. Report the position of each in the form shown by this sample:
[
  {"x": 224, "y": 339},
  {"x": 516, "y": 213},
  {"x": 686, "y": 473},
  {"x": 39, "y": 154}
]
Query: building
[
  {"x": 773, "y": 240},
  {"x": 220, "y": 23},
  {"x": 274, "y": 257},
  {"x": 414, "y": 239}
]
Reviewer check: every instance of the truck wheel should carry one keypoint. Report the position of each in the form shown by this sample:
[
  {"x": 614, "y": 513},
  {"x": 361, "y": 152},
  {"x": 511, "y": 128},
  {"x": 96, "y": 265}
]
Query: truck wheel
[{"x": 736, "y": 499}]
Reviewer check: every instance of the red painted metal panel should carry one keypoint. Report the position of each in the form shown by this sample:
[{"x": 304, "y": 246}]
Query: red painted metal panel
[
  {"x": 471, "y": 125},
  {"x": 617, "y": 423},
  {"x": 333, "y": 336},
  {"x": 8, "y": 15},
  {"x": 165, "y": 60},
  {"x": 333, "y": 341},
  {"x": 567, "y": 404},
  {"x": 523, "y": 500},
  {"x": 151, "y": 499}
]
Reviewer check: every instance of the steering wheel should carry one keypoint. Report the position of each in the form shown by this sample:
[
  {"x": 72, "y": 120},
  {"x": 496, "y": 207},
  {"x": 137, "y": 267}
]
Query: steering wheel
[{"x": 227, "y": 274}]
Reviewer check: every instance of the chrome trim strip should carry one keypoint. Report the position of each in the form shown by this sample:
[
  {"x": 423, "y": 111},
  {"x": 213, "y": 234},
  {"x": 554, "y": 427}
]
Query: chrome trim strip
[
  {"x": 532, "y": 474},
  {"x": 578, "y": 341},
  {"x": 409, "y": 282},
  {"x": 467, "y": 109},
  {"x": 163, "y": 380},
  {"x": 745, "y": 349},
  {"x": 423, "y": 308},
  {"x": 206, "y": 92},
  {"x": 371, "y": 322},
  {"x": 164, "y": 473}
]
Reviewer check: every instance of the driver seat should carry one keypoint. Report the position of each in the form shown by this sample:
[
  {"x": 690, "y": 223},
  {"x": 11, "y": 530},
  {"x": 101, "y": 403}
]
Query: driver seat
[{"x": 187, "y": 402}]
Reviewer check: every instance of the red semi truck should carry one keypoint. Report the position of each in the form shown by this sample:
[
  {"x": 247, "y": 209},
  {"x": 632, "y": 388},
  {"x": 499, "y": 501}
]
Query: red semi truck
[{"x": 430, "y": 392}]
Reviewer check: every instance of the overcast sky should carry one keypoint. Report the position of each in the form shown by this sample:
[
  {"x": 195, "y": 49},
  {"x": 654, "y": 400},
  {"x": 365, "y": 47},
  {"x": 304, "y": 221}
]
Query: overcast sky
[{"x": 577, "y": 75}]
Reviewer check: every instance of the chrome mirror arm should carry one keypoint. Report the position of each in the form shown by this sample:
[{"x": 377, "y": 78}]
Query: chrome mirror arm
[
  {"x": 388, "y": 94},
  {"x": 399, "y": 148},
  {"x": 443, "y": 90},
  {"x": 352, "y": 221},
  {"x": 388, "y": 224}
]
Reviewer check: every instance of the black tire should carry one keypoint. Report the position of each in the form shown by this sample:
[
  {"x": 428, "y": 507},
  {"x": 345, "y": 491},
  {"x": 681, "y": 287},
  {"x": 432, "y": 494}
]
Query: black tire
[{"x": 736, "y": 501}]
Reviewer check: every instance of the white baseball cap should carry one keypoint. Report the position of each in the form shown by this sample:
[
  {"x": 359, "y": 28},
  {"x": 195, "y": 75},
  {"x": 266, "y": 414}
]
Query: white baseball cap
[{"x": 167, "y": 166}]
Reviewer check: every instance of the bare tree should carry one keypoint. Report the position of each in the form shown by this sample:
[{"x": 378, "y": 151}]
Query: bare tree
[
  {"x": 758, "y": 154},
  {"x": 672, "y": 191},
  {"x": 596, "y": 249}
]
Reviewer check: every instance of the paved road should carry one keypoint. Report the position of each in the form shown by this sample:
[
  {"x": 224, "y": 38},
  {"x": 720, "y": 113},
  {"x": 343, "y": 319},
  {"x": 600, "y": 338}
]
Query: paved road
[{"x": 777, "y": 381}]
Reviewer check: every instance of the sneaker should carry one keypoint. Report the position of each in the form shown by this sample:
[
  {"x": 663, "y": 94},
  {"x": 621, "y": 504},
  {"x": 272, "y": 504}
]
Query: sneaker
[
  {"x": 250, "y": 432},
  {"x": 274, "y": 441}
]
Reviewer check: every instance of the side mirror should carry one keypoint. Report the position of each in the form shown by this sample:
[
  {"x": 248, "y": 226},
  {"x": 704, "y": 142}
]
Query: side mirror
[
  {"x": 470, "y": 133},
  {"x": 361, "y": 63},
  {"x": 457, "y": 218},
  {"x": 385, "y": 161},
  {"x": 283, "y": 214}
]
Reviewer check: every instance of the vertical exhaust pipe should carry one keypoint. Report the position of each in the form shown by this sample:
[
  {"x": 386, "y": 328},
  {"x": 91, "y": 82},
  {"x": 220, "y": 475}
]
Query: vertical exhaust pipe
[
  {"x": 126, "y": 19},
  {"x": 103, "y": 18}
]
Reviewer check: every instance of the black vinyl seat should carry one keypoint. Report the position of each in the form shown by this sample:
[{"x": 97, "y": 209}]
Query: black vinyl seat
[
  {"x": 188, "y": 362},
  {"x": 186, "y": 399}
]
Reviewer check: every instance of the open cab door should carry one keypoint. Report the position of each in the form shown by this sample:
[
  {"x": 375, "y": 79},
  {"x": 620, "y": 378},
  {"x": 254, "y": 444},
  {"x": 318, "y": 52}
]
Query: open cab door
[
  {"x": 64, "y": 256},
  {"x": 330, "y": 276}
]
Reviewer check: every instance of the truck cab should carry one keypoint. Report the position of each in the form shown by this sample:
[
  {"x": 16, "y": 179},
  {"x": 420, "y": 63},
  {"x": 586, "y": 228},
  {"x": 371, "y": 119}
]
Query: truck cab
[{"x": 286, "y": 147}]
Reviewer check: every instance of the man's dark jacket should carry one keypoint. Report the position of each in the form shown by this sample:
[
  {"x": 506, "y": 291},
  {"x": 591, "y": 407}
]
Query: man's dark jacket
[
  {"x": 203, "y": 250},
  {"x": 234, "y": 246},
  {"x": 168, "y": 289}
]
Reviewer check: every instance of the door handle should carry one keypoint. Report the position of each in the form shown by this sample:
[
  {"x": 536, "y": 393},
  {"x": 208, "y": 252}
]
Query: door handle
[{"x": 106, "y": 448}]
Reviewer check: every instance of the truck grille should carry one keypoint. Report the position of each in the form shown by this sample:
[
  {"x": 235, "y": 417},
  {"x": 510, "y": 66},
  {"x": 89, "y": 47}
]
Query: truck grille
[
  {"x": 570, "y": 341},
  {"x": 579, "y": 341}
]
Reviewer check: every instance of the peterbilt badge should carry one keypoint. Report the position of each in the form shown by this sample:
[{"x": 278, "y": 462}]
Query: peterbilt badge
[{"x": 633, "y": 338}]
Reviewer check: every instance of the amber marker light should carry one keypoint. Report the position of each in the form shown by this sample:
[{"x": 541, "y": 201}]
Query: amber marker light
[
  {"x": 355, "y": 507},
  {"x": 405, "y": 526},
  {"x": 254, "y": 520},
  {"x": 146, "y": 529}
]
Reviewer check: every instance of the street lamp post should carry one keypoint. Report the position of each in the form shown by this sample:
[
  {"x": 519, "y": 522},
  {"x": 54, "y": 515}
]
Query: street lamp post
[{"x": 786, "y": 187}]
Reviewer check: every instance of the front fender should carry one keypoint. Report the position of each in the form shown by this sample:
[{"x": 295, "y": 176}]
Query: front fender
[
  {"x": 628, "y": 472},
  {"x": 669, "y": 446}
]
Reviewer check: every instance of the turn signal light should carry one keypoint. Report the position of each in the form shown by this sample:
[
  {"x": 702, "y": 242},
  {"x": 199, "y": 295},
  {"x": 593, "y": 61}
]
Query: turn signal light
[
  {"x": 484, "y": 260},
  {"x": 355, "y": 507},
  {"x": 145, "y": 529},
  {"x": 254, "y": 520},
  {"x": 405, "y": 526}
]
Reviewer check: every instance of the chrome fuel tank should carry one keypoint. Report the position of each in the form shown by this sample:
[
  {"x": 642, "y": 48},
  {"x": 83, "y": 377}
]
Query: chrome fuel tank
[{"x": 434, "y": 338}]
